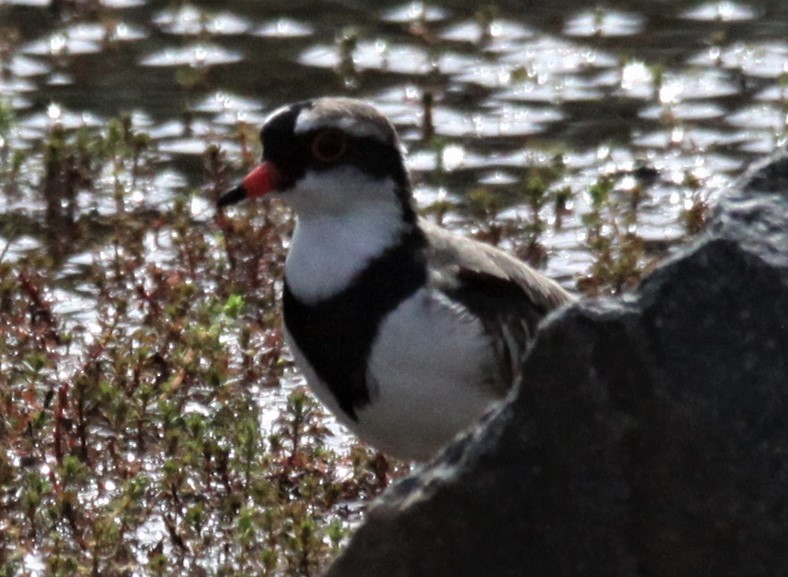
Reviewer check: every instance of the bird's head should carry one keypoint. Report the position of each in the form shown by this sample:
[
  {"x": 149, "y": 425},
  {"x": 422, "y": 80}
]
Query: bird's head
[{"x": 329, "y": 156}]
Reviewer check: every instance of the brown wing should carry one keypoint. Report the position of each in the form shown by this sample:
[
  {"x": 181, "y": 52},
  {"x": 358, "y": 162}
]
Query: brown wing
[{"x": 510, "y": 297}]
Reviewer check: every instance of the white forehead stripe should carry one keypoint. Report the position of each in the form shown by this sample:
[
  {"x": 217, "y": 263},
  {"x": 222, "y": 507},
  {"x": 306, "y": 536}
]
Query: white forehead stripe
[
  {"x": 277, "y": 112},
  {"x": 352, "y": 126},
  {"x": 355, "y": 120}
]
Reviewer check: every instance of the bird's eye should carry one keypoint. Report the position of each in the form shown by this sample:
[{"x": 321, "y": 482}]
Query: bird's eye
[{"x": 329, "y": 145}]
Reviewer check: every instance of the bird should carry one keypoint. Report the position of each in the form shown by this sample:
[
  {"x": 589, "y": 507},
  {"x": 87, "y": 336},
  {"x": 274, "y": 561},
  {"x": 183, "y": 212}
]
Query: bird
[{"x": 406, "y": 332}]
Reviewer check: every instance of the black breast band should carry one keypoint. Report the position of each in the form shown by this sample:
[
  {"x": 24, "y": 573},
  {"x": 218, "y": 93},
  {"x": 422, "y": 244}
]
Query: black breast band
[{"x": 336, "y": 334}]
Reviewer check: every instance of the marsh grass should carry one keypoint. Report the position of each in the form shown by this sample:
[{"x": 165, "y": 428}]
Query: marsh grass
[
  {"x": 131, "y": 437},
  {"x": 138, "y": 435}
]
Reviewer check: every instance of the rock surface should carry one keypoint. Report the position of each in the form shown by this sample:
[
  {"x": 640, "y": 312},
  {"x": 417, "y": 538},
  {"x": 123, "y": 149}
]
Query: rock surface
[{"x": 651, "y": 438}]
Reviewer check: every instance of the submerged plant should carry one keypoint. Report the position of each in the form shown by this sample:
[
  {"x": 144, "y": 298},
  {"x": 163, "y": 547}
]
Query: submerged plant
[
  {"x": 612, "y": 240},
  {"x": 133, "y": 434}
]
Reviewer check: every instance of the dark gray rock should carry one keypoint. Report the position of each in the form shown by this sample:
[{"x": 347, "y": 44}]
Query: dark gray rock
[{"x": 651, "y": 438}]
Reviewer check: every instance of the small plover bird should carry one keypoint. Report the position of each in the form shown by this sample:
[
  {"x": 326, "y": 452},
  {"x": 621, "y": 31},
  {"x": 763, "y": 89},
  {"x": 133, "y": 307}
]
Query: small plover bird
[{"x": 406, "y": 332}]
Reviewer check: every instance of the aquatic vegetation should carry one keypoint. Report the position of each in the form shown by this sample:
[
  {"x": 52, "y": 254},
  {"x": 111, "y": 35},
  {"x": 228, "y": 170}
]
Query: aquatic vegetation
[
  {"x": 150, "y": 419},
  {"x": 137, "y": 430}
]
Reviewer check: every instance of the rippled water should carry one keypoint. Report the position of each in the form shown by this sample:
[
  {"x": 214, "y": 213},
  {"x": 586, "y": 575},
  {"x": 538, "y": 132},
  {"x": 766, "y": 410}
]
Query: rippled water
[
  {"x": 690, "y": 92},
  {"x": 686, "y": 87},
  {"x": 672, "y": 99}
]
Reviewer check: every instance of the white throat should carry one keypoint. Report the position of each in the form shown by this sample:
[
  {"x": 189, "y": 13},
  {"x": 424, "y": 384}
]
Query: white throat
[{"x": 330, "y": 246}]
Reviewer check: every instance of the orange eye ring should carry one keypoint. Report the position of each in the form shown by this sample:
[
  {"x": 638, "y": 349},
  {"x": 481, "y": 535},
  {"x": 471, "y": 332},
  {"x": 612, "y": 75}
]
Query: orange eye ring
[{"x": 329, "y": 145}]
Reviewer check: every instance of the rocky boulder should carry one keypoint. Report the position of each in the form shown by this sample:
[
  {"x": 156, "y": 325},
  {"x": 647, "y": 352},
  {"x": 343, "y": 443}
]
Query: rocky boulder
[{"x": 651, "y": 437}]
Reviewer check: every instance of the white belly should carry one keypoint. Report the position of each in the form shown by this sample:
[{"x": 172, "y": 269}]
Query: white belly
[{"x": 429, "y": 373}]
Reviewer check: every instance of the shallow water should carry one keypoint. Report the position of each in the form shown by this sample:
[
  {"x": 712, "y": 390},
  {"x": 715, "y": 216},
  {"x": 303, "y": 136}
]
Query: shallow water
[
  {"x": 686, "y": 94},
  {"x": 669, "y": 101},
  {"x": 682, "y": 88}
]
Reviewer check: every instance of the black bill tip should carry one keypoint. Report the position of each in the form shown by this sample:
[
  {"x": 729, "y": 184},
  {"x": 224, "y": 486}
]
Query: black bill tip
[{"x": 232, "y": 196}]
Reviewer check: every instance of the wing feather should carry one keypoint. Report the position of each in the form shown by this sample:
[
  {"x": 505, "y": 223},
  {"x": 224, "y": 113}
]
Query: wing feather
[{"x": 508, "y": 296}]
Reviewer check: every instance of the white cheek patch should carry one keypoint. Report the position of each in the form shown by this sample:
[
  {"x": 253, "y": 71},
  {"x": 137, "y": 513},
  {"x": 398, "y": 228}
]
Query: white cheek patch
[{"x": 342, "y": 191}]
